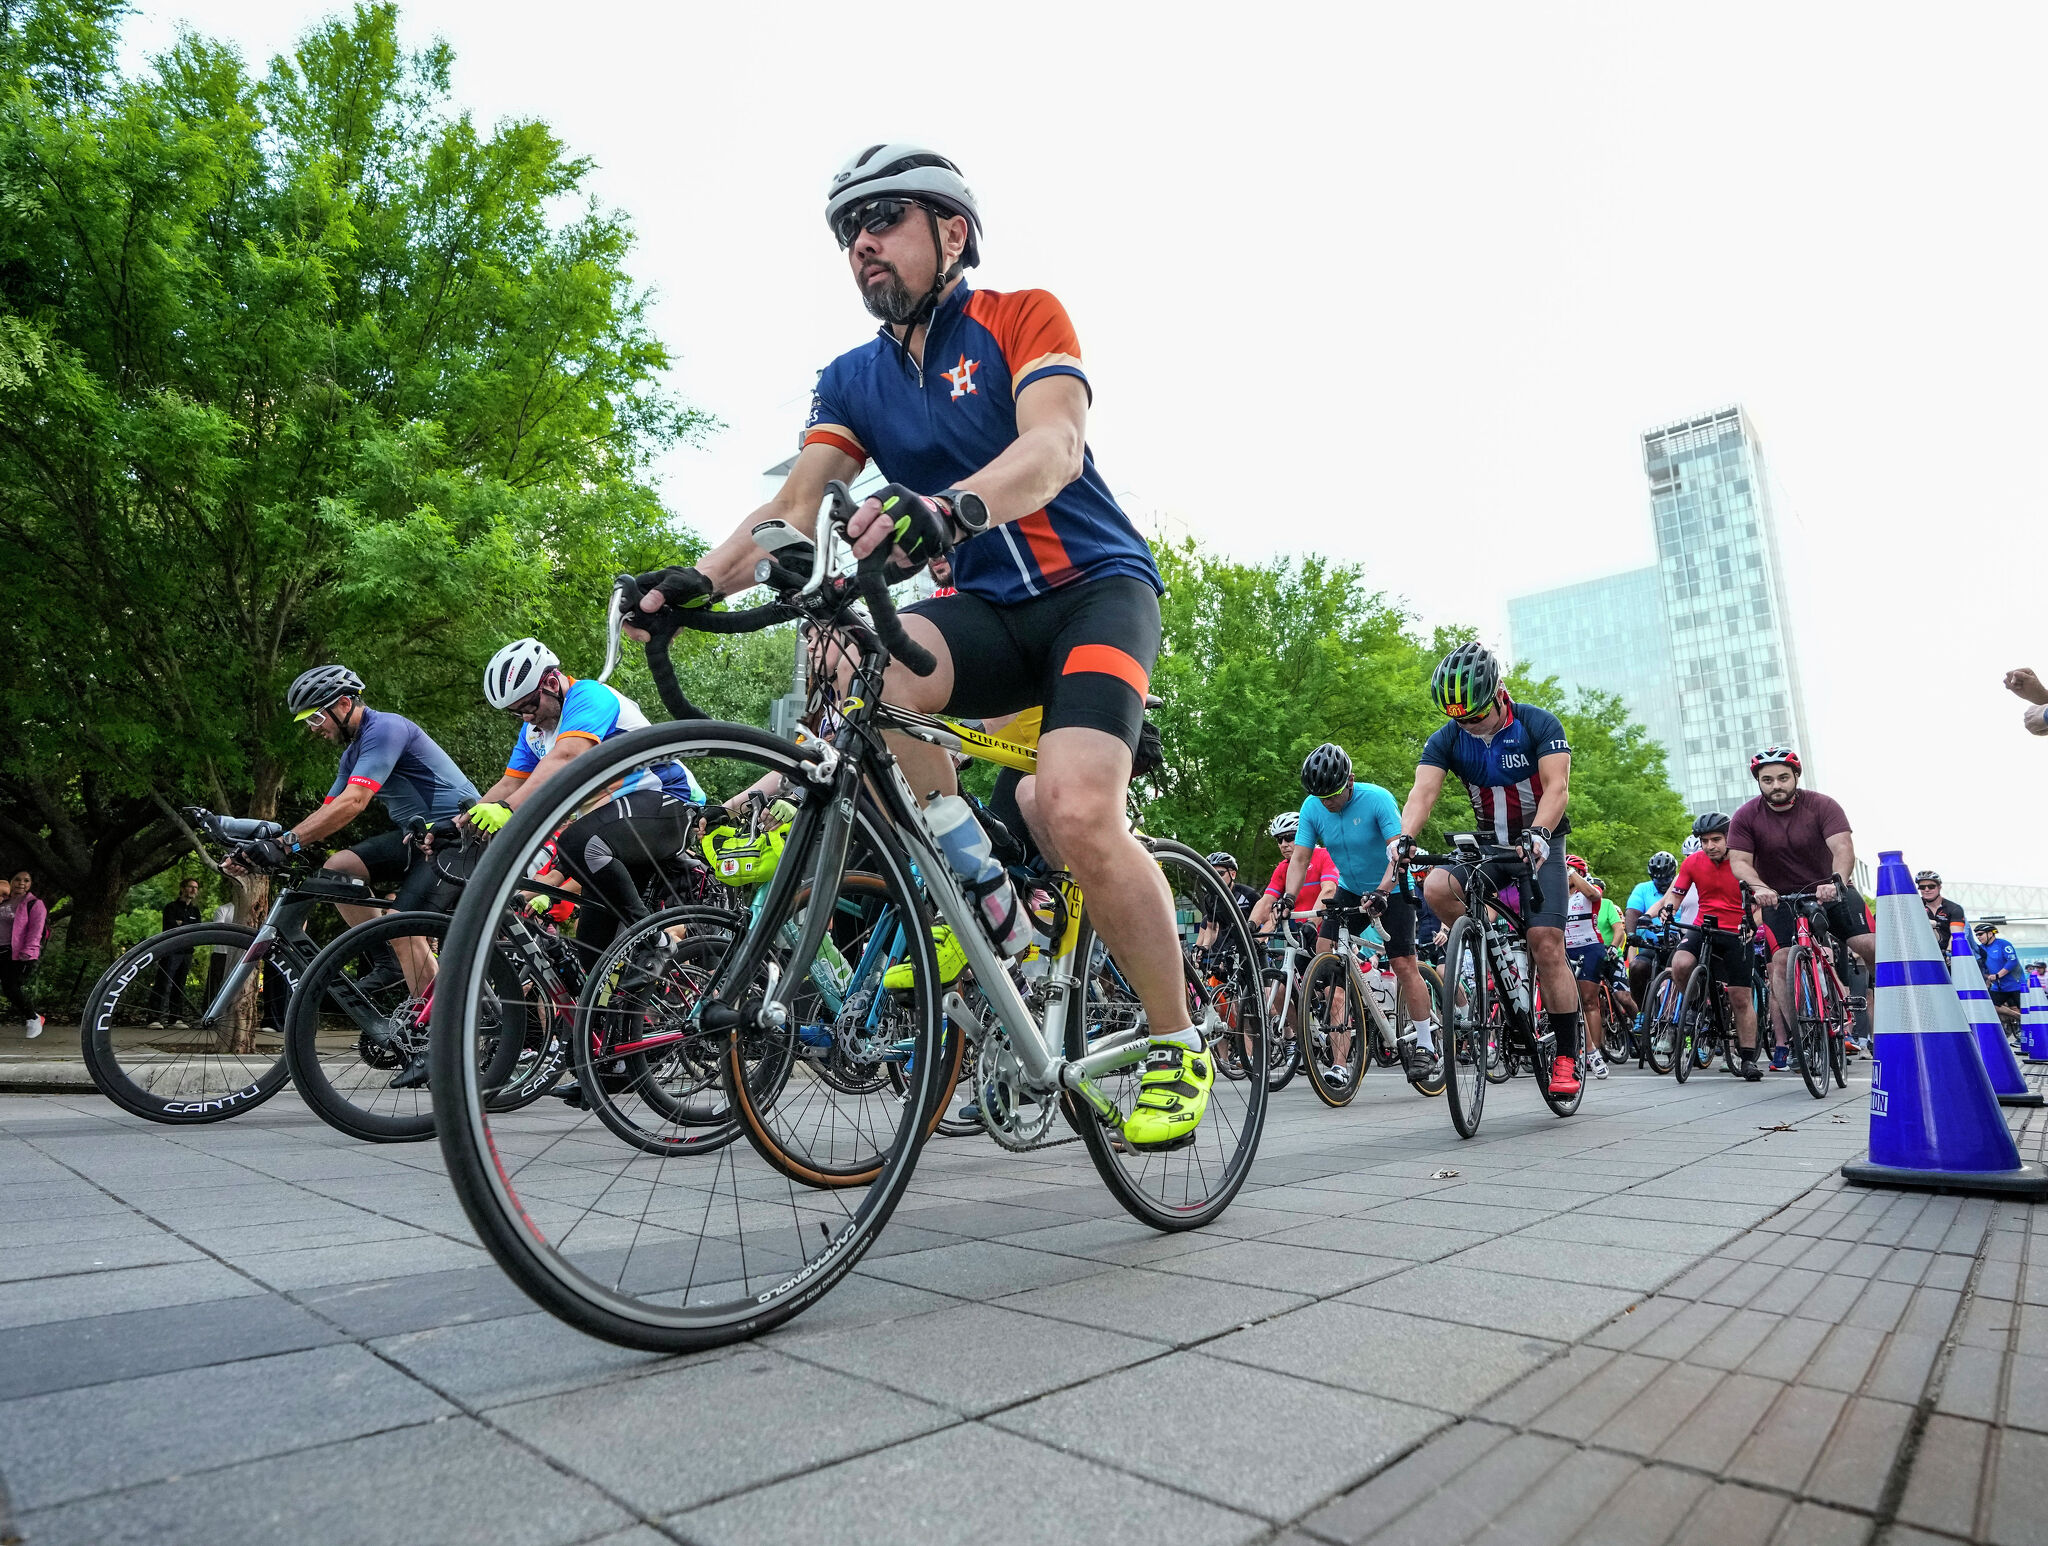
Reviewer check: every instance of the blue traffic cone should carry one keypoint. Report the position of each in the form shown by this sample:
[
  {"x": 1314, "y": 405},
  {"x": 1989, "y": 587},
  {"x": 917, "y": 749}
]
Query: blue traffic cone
[
  {"x": 2007, "y": 1082},
  {"x": 2034, "y": 1025},
  {"x": 1934, "y": 1121}
]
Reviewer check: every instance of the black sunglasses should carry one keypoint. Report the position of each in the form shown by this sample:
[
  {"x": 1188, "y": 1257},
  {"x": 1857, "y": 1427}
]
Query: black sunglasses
[{"x": 873, "y": 217}]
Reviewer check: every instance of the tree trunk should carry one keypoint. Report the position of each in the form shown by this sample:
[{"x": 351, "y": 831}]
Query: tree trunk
[{"x": 240, "y": 1025}]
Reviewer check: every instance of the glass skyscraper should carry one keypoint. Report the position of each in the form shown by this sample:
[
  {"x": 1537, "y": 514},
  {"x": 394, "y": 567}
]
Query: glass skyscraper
[{"x": 1700, "y": 645}]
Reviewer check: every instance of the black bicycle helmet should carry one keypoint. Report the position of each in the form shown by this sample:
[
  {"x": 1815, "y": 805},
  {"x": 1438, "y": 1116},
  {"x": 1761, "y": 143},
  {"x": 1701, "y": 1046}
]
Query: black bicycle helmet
[
  {"x": 1663, "y": 869},
  {"x": 1710, "y": 823},
  {"x": 1465, "y": 681},
  {"x": 1327, "y": 770},
  {"x": 311, "y": 691}
]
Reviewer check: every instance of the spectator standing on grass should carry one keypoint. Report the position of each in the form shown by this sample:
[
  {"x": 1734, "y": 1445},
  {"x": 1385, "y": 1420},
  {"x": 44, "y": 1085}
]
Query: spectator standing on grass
[
  {"x": 167, "y": 996},
  {"x": 23, "y": 923}
]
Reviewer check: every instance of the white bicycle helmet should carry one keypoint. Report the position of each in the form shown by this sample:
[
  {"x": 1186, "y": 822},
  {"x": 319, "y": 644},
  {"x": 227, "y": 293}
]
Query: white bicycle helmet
[
  {"x": 1283, "y": 825},
  {"x": 1690, "y": 846},
  {"x": 897, "y": 170},
  {"x": 515, "y": 671}
]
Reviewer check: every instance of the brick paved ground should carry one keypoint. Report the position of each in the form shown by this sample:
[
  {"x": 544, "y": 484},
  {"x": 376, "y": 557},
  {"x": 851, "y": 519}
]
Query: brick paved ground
[{"x": 1661, "y": 1320}]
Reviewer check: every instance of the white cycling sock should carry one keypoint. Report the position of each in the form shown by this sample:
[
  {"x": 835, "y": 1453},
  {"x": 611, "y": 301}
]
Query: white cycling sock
[{"x": 1189, "y": 1038}]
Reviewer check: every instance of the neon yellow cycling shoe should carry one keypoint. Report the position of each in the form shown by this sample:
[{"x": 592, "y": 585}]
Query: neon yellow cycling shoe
[
  {"x": 1172, "y": 1096},
  {"x": 952, "y": 961}
]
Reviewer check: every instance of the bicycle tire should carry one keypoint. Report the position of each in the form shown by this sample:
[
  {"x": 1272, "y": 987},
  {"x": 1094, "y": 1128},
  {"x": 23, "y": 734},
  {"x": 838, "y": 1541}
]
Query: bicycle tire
[
  {"x": 334, "y": 1086},
  {"x": 1159, "y": 1187},
  {"x": 1685, "y": 1047},
  {"x": 1617, "y": 1044},
  {"x": 1283, "y": 1052},
  {"x": 1319, "y": 1063},
  {"x": 1434, "y": 983},
  {"x": 1809, "y": 1027},
  {"x": 1660, "y": 1024},
  {"x": 173, "y": 1082},
  {"x": 1471, "y": 1029},
  {"x": 632, "y": 1281}
]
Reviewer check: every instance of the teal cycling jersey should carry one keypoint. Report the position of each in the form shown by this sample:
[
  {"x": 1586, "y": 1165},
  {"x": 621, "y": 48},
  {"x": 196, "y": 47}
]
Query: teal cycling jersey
[
  {"x": 1645, "y": 896},
  {"x": 1357, "y": 836}
]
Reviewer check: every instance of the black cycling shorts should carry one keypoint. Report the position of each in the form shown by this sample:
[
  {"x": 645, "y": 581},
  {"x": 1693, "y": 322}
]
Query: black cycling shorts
[
  {"x": 1847, "y": 918},
  {"x": 1550, "y": 880},
  {"x": 1396, "y": 921},
  {"x": 391, "y": 860},
  {"x": 1085, "y": 652},
  {"x": 1731, "y": 956}
]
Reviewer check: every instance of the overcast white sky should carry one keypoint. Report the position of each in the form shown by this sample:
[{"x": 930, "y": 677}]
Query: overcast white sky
[{"x": 1404, "y": 284}]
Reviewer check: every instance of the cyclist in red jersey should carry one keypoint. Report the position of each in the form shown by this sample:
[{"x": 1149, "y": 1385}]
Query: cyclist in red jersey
[{"x": 1721, "y": 904}]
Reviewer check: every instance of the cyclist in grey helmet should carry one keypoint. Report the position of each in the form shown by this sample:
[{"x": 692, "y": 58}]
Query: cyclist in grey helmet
[{"x": 974, "y": 405}]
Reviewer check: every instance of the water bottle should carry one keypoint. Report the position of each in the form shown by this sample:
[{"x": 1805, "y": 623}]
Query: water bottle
[
  {"x": 966, "y": 847},
  {"x": 1509, "y": 965},
  {"x": 1380, "y": 984}
]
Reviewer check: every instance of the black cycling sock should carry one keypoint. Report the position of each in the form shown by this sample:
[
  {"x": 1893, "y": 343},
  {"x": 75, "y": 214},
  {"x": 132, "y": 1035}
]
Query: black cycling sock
[{"x": 1566, "y": 1029}]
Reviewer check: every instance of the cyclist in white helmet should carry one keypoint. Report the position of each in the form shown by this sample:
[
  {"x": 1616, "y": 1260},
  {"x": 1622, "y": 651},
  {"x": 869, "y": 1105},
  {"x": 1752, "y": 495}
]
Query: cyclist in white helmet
[{"x": 615, "y": 848}]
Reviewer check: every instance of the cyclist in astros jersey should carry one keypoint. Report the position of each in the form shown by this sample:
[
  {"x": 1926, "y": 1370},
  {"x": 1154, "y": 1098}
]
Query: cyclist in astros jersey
[{"x": 974, "y": 405}]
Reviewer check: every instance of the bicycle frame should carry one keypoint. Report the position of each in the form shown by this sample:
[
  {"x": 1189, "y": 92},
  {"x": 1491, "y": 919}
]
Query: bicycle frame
[
  {"x": 283, "y": 941},
  {"x": 1347, "y": 949}
]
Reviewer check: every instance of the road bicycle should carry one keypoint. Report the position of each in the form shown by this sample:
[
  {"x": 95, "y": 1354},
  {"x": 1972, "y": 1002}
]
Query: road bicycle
[
  {"x": 230, "y": 1058},
  {"x": 1822, "y": 1009},
  {"x": 667, "y": 1254},
  {"x": 1656, "y": 1021},
  {"x": 1344, "y": 1011},
  {"x": 1285, "y": 959},
  {"x": 1493, "y": 1005},
  {"x": 1706, "y": 1024}
]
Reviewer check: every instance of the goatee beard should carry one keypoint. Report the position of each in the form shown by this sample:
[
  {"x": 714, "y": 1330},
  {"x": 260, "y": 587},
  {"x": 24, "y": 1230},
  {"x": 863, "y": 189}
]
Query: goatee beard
[
  {"x": 890, "y": 300},
  {"x": 1779, "y": 800}
]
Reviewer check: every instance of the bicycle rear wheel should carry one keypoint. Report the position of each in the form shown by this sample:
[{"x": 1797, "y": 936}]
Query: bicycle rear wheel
[
  {"x": 668, "y": 1252},
  {"x": 1809, "y": 1023},
  {"x": 202, "y": 1072},
  {"x": 355, "y": 1028},
  {"x": 1332, "y": 1009},
  {"x": 1402, "y": 1022},
  {"x": 1189, "y": 1185},
  {"x": 1660, "y": 1021},
  {"x": 1616, "y": 1044},
  {"x": 1692, "y": 1028},
  {"x": 1472, "y": 1026}
]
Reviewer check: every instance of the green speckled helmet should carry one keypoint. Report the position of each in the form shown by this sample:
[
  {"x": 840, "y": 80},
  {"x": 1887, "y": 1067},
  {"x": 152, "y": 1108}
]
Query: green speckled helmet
[{"x": 1466, "y": 681}]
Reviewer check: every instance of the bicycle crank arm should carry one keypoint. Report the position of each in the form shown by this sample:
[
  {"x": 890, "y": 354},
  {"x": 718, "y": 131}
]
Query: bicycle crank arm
[{"x": 1078, "y": 1073}]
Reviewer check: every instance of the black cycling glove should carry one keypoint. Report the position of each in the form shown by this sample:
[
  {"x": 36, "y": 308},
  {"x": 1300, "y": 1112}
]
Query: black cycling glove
[
  {"x": 922, "y": 526},
  {"x": 267, "y": 854},
  {"x": 682, "y": 590}
]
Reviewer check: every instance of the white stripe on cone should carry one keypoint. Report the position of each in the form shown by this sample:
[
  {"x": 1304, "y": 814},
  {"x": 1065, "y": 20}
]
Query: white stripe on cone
[{"x": 1913, "y": 1008}]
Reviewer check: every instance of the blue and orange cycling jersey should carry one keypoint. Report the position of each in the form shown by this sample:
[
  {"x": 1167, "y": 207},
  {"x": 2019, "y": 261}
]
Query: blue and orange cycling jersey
[
  {"x": 934, "y": 428},
  {"x": 594, "y": 712}
]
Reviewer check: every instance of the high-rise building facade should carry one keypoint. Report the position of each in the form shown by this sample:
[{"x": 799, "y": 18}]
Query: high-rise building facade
[{"x": 1721, "y": 678}]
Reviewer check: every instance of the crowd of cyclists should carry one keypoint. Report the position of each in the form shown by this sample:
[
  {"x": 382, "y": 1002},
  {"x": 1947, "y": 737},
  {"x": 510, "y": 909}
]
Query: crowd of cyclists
[{"x": 974, "y": 406}]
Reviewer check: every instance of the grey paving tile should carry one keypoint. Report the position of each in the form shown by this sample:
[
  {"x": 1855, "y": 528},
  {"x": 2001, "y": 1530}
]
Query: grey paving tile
[
  {"x": 322, "y": 1266},
  {"x": 1560, "y": 1506},
  {"x": 1546, "y": 1385},
  {"x": 2019, "y": 1500},
  {"x": 1571, "y": 1262},
  {"x": 1120, "y": 1241},
  {"x": 1695, "y": 1321},
  {"x": 1486, "y": 1217},
  {"x": 1271, "y": 1473},
  {"x": 1657, "y": 1411},
  {"x": 2026, "y": 1392},
  {"x": 1445, "y": 1292},
  {"x": 1844, "y": 1359},
  {"x": 110, "y": 1293},
  {"x": 1370, "y": 1236},
  {"x": 168, "y": 1424},
  {"x": 1293, "y": 1269},
  {"x": 62, "y": 1355},
  {"x": 1165, "y": 1307},
  {"x": 393, "y": 1305},
  {"x": 490, "y": 1363},
  {"x": 60, "y": 1260},
  {"x": 1941, "y": 1491},
  {"x": 761, "y": 1416},
  {"x": 1852, "y": 1467},
  {"x": 1815, "y": 1524},
  {"x": 1635, "y": 1324},
  {"x": 1902, "y": 1370},
  {"x": 1677, "y": 1210},
  {"x": 974, "y": 1357},
  {"x": 1579, "y": 1412},
  {"x": 1727, "y": 1513},
  {"x": 978, "y": 1269},
  {"x": 1420, "y": 1507},
  {"x": 1680, "y": 1239},
  {"x": 1430, "y": 1363},
  {"x": 454, "y": 1482},
  {"x": 1785, "y": 1350},
  {"x": 1021, "y": 1493}
]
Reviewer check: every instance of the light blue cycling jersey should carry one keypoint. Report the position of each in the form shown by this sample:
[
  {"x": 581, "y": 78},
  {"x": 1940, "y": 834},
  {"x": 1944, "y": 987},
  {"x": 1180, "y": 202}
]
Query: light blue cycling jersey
[
  {"x": 593, "y": 712},
  {"x": 1645, "y": 896},
  {"x": 1357, "y": 836}
]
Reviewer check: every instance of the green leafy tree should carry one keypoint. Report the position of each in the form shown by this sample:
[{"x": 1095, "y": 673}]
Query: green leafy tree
[{"x": 292, "y": 369}]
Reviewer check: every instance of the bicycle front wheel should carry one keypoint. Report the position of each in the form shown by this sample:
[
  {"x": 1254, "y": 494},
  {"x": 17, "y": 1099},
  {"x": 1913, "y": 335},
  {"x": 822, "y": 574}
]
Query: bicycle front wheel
[
  {"x": 1809, "y": 1023},
  {"x": 151, "y": 1051},
  {"x": 1189, "y": 1185},
  {"x": 1333, "y": 1030},
  {"x": 1472, "y": 1028},
  {"x": 1660, "y": 1021},
  {"x": 664, "y": 1251}
]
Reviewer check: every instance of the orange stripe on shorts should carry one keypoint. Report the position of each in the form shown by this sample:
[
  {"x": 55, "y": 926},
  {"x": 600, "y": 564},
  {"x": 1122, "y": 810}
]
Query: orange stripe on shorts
[{"x": 1110, "y": 661}]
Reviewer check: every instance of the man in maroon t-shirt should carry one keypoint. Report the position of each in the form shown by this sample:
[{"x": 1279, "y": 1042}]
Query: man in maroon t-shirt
[{"x": 1792, "y": 839}]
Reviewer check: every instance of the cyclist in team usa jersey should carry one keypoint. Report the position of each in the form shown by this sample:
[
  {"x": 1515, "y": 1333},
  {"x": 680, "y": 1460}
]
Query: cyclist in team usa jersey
[
  {"x": 1516, "y": 764},
  {"x": 1057, "y": 600}
]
